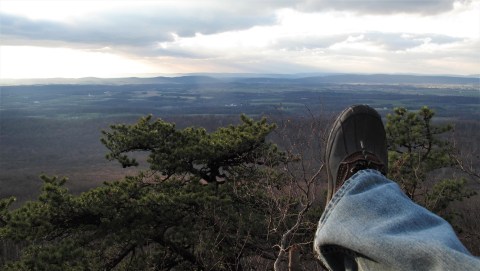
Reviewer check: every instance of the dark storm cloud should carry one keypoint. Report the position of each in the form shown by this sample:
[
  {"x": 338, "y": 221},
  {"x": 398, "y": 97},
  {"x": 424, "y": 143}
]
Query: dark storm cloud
[
  {"x": 426, "y": 7},
  {"x": 15, "y": 28},
  {"x": 130, "y": 28},
  {"x": 155, "y": 23}
]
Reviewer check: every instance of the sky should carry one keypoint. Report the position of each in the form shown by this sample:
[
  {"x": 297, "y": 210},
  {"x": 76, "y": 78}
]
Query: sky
[{"x": 73, "y": 39}]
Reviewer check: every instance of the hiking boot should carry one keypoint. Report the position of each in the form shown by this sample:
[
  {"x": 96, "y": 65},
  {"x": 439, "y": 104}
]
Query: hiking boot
[{"x": 357, "y": 141}]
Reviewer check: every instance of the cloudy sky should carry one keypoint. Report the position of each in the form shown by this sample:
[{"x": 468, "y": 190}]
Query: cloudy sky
[{"x": 65, "y": 38}]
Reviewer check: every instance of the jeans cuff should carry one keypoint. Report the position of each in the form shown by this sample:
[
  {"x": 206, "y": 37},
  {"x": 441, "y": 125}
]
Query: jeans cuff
[{"x": 347, "y": 185}]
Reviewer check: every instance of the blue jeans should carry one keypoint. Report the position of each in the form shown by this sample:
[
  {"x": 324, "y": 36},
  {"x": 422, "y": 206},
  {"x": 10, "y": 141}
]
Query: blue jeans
[{"x": 371, "y": 225}]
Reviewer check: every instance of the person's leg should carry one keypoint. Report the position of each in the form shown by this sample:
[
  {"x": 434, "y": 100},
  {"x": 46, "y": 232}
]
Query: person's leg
[{"x": 369, "y": 224}]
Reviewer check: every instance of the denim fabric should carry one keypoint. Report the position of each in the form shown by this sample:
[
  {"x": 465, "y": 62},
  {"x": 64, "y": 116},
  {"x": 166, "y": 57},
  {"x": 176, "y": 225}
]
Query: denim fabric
[{"x": 371, "y": 225}]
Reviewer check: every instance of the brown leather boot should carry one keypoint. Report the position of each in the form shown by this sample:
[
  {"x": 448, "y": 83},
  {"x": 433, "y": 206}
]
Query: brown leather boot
[{"x": 357, "y": 141}]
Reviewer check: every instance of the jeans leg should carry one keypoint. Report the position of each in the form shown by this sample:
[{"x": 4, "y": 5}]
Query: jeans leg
[{"x": 371, "y": 222}]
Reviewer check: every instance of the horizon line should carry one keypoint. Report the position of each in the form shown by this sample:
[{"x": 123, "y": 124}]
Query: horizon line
[{"x": 233, "y": 74}]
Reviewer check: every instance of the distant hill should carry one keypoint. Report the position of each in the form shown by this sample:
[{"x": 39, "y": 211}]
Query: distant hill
[
  {"x": 113, "y": 81},
  {"x": 370, "y": 79},
  {"x": 391, "y": 79},
  {"x": 258, "y": 79}
]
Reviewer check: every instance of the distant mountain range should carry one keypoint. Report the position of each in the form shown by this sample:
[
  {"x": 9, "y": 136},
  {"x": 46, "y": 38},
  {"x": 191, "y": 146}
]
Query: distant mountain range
[
  {"x": 259, "y": 79},
  {"x": 387, "y": 79}
]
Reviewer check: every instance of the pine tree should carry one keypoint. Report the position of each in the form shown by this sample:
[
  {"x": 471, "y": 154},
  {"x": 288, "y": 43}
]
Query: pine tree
[
  {"x": 417, "y": 148},
  {"x": 200, "y": 207}
]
